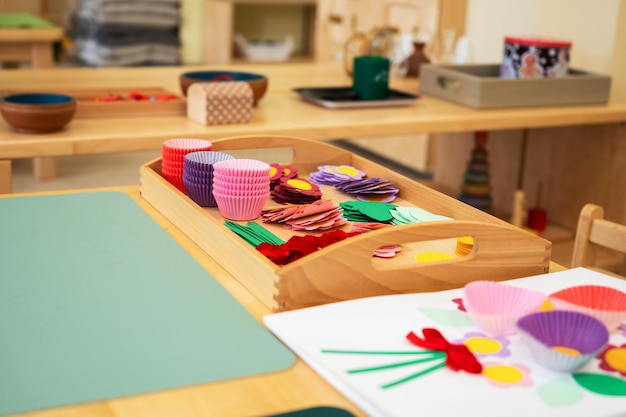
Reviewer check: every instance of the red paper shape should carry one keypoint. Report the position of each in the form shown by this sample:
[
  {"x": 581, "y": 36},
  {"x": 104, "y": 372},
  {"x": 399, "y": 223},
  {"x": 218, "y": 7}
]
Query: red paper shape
[{"x": 459, "y": 357}]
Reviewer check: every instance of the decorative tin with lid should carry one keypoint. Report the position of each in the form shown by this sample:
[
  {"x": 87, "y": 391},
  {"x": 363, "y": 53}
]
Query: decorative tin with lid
[{"x": 535, "y": 57}]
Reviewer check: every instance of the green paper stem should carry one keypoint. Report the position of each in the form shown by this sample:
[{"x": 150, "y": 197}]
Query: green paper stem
[
  {"x": 383, "y": 352},
  {"x": 415, "y": 375},
  {"x": 434, "y": 357},
  {"x": 269, "y": 236}
]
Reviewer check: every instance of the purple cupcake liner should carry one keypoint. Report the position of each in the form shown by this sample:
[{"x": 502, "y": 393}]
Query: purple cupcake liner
[
  {"x": 201, "y": 194},
  {"x": 204, "y": 159},
  {"x": 547, "y": 333}
]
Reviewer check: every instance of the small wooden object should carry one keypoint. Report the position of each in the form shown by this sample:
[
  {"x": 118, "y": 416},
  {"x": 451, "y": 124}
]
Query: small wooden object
[
  {"x": 347, "y": 269},
  {"x": 219, "y": 103},
  {"x": 594, "y": 232}
]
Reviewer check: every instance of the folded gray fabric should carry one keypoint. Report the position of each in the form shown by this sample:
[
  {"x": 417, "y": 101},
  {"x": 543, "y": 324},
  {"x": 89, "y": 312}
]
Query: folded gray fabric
[
  {"x": 144, "y": 13},
  {"x": 120, "y": 35},
  {"x": 92, "y": 53}
]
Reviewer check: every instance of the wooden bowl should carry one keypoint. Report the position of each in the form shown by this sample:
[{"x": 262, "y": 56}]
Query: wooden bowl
[
  {"x": 38, "y": 112},
  {"x": 257, "y": 82}
]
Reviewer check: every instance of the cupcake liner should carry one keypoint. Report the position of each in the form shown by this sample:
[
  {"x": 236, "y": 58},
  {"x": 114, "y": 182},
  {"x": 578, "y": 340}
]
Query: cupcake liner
[
  {"x": 181, "y": 146},
  {"x": 240, "y": 186},
  {"x": 239, "y": 193},
  {"x": 204, "y": 159},
  {"x": 176, "y": 181},
  {"x": 604, "y": 303},
  {"x": 201, "y": 194},
  {"x": 197, "y": 180},
  {"x": 217, "y": 176},
  {"x": 495, "y": 307},
  {"x": 198, "y": 173},
  {"x": 563, "y": 340},
  {"x": 240, "y": 208},
  {"x": 243, "y": 168}
]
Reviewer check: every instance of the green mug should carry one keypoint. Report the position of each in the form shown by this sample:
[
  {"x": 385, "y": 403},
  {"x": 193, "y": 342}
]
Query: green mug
[{"x": 371, "y": 77}]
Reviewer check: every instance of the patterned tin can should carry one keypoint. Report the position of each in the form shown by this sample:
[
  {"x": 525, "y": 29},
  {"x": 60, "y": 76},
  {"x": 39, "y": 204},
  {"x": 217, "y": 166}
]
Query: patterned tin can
[{"x": 533, "y": 57}]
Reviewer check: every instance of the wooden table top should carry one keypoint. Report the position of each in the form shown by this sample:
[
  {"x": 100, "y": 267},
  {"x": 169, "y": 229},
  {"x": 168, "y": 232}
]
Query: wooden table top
[
  {"x": 280, "y": 112},
  {"x": 26, "y": 28},
  {"x": 296, "y": 388}
]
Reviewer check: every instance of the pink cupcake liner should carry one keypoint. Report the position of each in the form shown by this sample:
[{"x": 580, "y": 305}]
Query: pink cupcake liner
[
  {"x": 563, "y": 340},
  {"x": 495, "y": 307},
  {"x": 604, "y": 303},
  {"x": 241, "y": 186},
  {"x": 240, "y": 180},
  {"x": 240, "y": 208},
  {"x": 240, "y": 193},
  {"x": 242, "y": 168}
]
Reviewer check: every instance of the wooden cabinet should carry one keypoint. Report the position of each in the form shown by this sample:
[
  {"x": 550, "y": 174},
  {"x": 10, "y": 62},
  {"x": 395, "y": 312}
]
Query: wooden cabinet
[{"x": 320, "y": 26}]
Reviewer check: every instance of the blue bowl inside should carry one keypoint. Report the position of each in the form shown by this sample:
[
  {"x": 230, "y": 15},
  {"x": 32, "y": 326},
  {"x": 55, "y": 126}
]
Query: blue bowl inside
[
  {"x": 38, "y": 98},
  {"x": 223, "y": 76}
]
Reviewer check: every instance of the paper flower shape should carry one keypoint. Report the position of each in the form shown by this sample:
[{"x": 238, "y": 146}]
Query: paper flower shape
[
  {"x": 614, "y": 359},
  {"x": 507, "y": 375}
]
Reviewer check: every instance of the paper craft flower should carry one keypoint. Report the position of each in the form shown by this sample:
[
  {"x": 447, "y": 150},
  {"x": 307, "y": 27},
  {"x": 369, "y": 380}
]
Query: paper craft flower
[
  {"x": 299, "y": 246},
  {"x": 507, "y": 375},
  {"x": 481, "y": 344},
  {"x": 439, "y": 354},
  {"x": 458, "y": 356},
  {"x": 614, "y": 359}
]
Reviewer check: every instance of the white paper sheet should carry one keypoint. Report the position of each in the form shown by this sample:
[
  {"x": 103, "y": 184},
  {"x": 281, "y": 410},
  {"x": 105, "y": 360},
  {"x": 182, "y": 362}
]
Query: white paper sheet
[{"x": 381, "y": 324}]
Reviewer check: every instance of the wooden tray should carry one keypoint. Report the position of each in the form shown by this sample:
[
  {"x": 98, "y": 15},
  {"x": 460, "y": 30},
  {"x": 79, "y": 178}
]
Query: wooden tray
[
  {"x": 347, "y": 269},
  {"x": 480, "y": 86},
  {"x": 87, "y": 108}
]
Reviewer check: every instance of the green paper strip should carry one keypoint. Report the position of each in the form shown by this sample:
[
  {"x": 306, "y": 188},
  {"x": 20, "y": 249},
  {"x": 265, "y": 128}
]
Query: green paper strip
[
  {"x": 433, "y": 357},
  {"x": 415, "y": 375},
  {"x": 269, "y": 236},
  {"x": 382, "y": 352}
]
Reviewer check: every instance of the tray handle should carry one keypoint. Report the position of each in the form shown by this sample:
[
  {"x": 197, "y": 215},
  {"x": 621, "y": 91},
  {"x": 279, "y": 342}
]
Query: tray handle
[
  {"x": 307, "y": 153},
  {"x": 448, "y": 83},
  {"x": 345, "y": 270}
]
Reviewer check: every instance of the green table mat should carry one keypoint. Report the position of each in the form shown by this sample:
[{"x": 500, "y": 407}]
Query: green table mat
[
  {"x": 23, "y": 21},
  {"x": 97, "y": 301}
]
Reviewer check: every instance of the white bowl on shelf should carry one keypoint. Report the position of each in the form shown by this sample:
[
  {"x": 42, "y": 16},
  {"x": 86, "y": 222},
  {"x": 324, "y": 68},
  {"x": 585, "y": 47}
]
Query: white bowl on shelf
[{"x": 265, "y": 51}]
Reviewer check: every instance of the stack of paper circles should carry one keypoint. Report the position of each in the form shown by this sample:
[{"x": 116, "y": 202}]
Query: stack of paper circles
[
  {"x": 295, "y": 191},
  {"x": 173, "y": 152},
  {"x": 241, "y": 188},
  {"x": 198, "y": 175}
]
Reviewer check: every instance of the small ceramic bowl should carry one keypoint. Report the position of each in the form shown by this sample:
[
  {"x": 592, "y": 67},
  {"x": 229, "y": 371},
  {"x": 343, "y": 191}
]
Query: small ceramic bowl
[
  {"x": 257, "y": 82},
  {"x": 562, "y": 340},
  {"x": 495, "y": 307},
  {"x": 604, "y": 303},
  {"x": 38, "y": 112}
]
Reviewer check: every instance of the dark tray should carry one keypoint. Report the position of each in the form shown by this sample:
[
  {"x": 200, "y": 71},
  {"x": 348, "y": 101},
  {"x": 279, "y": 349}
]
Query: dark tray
[{"x": 345, "y": 98}]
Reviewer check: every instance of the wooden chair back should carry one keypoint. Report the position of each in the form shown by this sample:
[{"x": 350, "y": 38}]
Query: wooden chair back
[{"x": 595, "y": 232}]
